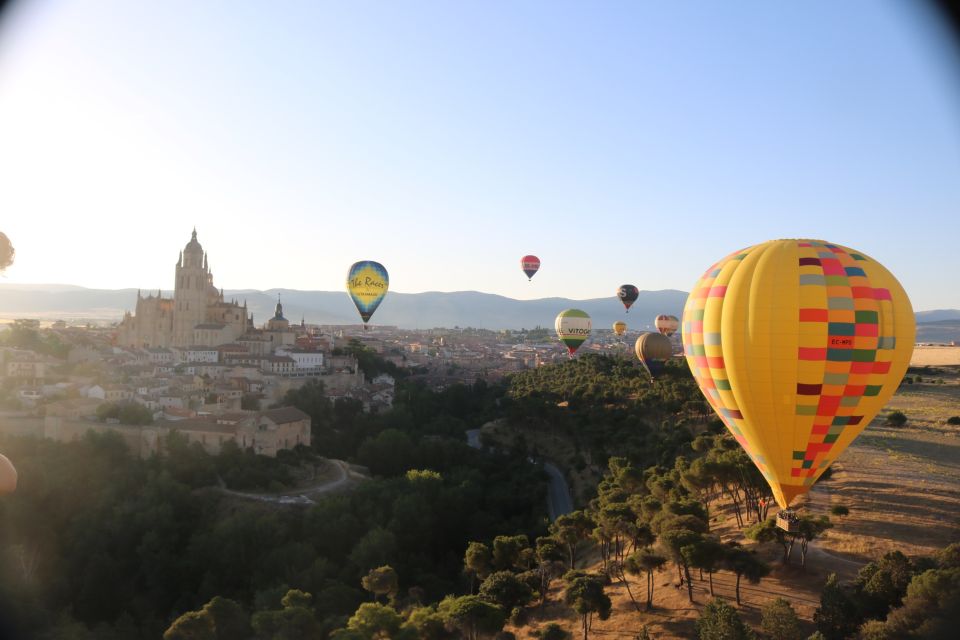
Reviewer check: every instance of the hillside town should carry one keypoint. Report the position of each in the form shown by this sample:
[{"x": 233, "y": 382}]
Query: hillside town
[{"x": 198, "y": 364}]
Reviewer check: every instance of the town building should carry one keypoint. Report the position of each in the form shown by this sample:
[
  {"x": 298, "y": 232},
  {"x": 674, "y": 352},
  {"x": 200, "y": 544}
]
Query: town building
[{"x": 266, "y": 432}]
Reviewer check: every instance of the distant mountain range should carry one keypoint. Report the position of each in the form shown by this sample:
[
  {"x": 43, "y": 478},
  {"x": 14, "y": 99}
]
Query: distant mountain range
[
  {"x": 938, "y": 315},
  {"x": 940, "y": 331},
  {"x": 406, "y": 310}
]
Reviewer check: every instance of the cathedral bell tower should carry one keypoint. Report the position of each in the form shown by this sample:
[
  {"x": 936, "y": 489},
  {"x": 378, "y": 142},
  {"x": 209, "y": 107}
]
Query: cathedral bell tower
[{"x": 193, "y": 279}]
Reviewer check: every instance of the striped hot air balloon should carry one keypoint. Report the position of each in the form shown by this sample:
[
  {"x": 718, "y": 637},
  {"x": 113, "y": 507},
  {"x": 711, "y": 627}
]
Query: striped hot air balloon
[
  {"x": 667, "y": 325},
  {"x": 530, "y": 265},
  {"x": 573, "y": 328}
]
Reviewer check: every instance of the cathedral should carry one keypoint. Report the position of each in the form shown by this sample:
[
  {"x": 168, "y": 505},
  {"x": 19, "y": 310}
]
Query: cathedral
[{"x": 196, "y": 315}]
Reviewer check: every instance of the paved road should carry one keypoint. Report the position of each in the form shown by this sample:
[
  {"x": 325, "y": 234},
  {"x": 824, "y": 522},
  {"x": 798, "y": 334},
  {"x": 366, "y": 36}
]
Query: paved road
[
  {"x": 473, "y": 438},
  {"x": 558, "y": 491},
  {"x": 344, "y": 474}
]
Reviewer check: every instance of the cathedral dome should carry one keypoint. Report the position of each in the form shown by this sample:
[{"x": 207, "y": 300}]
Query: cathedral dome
[
  {"x": 193, "y": 246},
  {"x": 192, "y": 254}
]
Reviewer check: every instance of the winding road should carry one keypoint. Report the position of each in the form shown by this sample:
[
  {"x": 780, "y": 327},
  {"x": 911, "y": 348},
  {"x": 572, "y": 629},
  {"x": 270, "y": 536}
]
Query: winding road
[
  {"x": 300, "y": 496},
  {"x": 559, "y": 501}
]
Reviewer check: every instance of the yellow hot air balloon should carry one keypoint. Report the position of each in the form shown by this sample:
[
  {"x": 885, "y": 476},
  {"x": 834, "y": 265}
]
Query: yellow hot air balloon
[
  {"x": 797, "y": 344},
  {"x": 8, "y": 476},
  {"x": 619, "y": 327}
]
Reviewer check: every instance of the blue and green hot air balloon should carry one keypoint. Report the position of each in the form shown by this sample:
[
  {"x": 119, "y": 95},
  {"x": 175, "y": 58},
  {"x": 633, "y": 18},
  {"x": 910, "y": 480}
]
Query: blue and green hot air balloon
[{"x": 367, "y": 283}]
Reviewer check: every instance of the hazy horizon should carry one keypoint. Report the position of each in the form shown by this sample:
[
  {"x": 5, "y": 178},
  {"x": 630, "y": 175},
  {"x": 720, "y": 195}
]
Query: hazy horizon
[{"x": 620, "y": 143}]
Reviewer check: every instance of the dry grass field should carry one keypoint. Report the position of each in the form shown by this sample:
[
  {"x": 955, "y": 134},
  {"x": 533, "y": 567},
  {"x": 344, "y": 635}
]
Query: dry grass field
[
  {"x": 924, "y": 356},
  {"x": 902, "y": 486}
]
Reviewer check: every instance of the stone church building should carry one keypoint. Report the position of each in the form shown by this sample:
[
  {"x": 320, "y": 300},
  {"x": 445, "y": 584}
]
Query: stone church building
[{"x": 196, "y": 315}]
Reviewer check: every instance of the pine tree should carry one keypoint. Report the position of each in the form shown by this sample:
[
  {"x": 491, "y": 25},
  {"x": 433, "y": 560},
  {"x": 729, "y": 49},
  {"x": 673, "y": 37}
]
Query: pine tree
[{"x": 836, "y": 618}]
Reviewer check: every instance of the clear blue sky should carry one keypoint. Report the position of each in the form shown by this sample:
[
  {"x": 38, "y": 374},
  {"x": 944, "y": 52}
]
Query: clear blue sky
[{"x": 622, "y": 142}]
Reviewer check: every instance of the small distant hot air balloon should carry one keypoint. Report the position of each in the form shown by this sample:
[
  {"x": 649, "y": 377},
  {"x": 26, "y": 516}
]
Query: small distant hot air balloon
[
  {"x": 667, "y": 325},
  {"x": 573, "y": 328},
  {"x": 797, "y": 344},
  {"x": 367, "y": 284},
  {"x": 530, "y": 265},
  {"x": 8, "y": 476},
  {"x": 653, "y": 349},
  {"x": 619, "y": 327},
  {"x": 628, "y": 294}
]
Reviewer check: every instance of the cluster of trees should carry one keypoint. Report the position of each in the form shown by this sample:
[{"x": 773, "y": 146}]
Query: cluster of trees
[
  {"x": 512, "y": 576},
  {"x": 895, "y": 597},
  {"x": 368, "y": 361},
  {"x": 46, "y": 342},
  {"x": 131, "y": 413},
  {"x": 720, "y": 621},
  {"x": 608, "y": 406},
  {"x": 340, "y": 428},
  {"x": 98, "y": 543},
  {"x": 891, "y": 598},
  {"x": 641, "y": 520}
]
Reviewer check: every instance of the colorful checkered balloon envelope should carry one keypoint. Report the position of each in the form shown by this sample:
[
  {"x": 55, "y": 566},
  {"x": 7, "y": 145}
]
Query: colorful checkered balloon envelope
[{"x": 797, "y": 344}]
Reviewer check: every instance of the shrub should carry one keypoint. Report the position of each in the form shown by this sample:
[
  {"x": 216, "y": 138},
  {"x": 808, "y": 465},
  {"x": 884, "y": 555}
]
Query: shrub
[
  {"x": 553, "y": 631},
  {"x": 839, "y": 511},
  {"x": 780, "y": 621},
  {"x": 896, "y": 419},
  {"x": 954, "y": 420}
]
